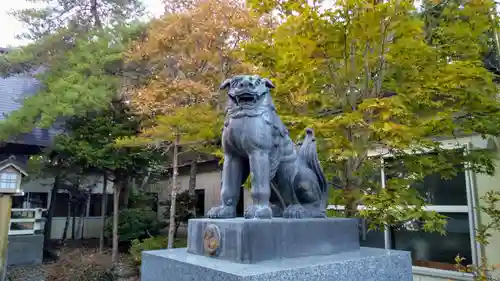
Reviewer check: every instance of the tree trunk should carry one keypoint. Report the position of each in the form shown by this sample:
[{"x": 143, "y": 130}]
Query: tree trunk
[
  {"x": 47, "y": 231},
  {"x": 104, "y": 207},
  {"x": 192, "y": 186},
  {"x": 116, "y": 202},
  {"x": 66, "y": 224},
  {"x": 73, "y": 222},
  {"x": 81, "y": 222},
  {"x": 173, "y": 197},
  {"x": 177, "y": 225},
  {"x": 124, "y": 193},
  {"x": 95, "y": 13}
]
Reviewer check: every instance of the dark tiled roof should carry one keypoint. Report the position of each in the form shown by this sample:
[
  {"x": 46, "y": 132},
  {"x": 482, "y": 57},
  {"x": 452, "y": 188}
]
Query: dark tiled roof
[{"x": 13, "y": 89}]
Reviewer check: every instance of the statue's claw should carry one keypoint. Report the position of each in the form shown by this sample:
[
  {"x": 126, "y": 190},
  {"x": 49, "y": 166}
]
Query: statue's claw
[
  {"x": 297, "y": 212},
  {"x": 277, "y": 211},
  {"x": 222, "y": 212},
  {"x": 258, "y": 212}
]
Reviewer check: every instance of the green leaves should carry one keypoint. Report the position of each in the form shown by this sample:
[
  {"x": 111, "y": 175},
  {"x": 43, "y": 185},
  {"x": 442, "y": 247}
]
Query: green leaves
[
  {"x": 89, "y": 143},
  {"x": 379, "y": 76},
  {"x": 75, "y": 82},
  {"x": 78, "y": 16}
]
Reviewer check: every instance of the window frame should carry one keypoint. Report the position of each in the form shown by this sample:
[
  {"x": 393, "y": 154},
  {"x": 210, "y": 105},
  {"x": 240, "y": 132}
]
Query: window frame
[
  {"x": 470, "y": 209},
  {"x": 7, "y": 180}
]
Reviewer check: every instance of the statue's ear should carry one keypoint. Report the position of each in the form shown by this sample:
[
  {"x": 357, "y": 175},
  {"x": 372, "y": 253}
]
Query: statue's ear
[
  {"x": 225, "y": 84},
  {"x": 268, "y": 83}
]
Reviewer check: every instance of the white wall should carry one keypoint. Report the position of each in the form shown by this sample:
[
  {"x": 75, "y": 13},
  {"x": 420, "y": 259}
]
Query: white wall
[
  {"x": 92, "y": 227},
  {"x": 91, "y": 224},
  {"x": 209, "y": 181}
]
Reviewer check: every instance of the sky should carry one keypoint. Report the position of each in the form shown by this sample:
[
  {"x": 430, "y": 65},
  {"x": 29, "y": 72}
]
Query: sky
[{"x": 11, "y": 27}]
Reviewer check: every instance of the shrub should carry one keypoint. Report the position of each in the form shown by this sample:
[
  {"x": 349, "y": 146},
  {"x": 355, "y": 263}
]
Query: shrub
[
  {"x": 135, "y": 223},
  {"x": 152, "y": 243}
]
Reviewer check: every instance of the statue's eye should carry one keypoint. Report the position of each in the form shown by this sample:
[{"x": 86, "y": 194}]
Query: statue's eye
[{"x": 257, "y": 82}]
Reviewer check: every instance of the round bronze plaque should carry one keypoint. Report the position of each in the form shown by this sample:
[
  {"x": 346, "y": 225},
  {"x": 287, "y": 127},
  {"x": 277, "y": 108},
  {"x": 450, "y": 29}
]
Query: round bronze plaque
[{"x": 211, "y": 239}]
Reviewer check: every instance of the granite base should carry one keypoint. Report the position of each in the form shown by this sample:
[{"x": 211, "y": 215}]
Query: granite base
[{"x": 360, "y": 265}]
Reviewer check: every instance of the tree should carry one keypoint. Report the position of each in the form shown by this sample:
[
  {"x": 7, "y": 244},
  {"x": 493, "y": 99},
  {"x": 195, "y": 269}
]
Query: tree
[
  {"x": 81, "y": 56},
  {"x": 187, "y": 55},
  {"x": 77, "y": 55},
  {"x": 175, "y": 71},
  {"x": 50, "y": 164},
  {"x": 53, "y": 26},
  {"x": 365, "y": 77},
  {"x": 80, "y": 16},
  {"x": 90, "y": 139},
  {"x": 67, "y": 37},
  {"x": 183, "y": 209},
  {"x": 85, "y": 77},
  {"x": 485, "y": 271}
]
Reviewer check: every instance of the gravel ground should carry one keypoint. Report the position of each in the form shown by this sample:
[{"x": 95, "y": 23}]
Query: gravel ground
[
  {"x": 26, "y": 273},
  {"x": 68, "y": 253}
]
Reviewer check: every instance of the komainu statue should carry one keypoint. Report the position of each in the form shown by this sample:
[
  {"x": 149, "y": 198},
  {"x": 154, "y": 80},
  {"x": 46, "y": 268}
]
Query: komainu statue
[{"x": 285, "y": 182}]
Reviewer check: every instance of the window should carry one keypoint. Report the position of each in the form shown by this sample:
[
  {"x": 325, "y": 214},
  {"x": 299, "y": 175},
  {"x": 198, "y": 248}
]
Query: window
[
  {"x": 371, "y": 238},
  {"x": 61, "y": 205},
  {"x": 8, "y": 180},
  {"x": 95, "y": 205},
  {"x": 444, "y": 192},
  {"x": 22, "y": 226},
  {"x": 200, "y": 203},
  {"x": 433, "y": 249},
  {"x": 31, "y": 200},
  {"x": 37, "y": 200},
  {"x": 65, "y": 205},
  {"x": 447, "y": 197},
  {"x": 18, "y": 201}
]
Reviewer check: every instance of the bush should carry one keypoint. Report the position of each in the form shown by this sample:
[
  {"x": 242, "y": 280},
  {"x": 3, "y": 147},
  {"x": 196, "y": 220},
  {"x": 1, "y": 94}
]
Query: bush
[
  {"x": 152, "y": 243},
  {"x": 135, "y": 223},
  {"x": 148, "y": 244}
]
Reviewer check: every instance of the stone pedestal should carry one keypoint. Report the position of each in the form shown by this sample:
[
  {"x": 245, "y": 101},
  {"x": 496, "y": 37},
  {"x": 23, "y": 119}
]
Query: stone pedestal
[
  {"x": 25, "y": 250},
  {"x": 278, "y": 249},
  {"x": 251, "y": 241}
]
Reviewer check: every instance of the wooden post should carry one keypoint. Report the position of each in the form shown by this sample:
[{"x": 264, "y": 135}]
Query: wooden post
[{"x": 5, "y": 209}]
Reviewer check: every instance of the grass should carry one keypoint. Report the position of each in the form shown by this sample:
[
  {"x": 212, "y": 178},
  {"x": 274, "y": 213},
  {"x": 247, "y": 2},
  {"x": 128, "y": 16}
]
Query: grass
[{"x": 180, "y": 243}]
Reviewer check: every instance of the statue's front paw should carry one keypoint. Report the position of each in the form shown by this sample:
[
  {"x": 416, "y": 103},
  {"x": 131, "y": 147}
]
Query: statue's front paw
[
  {"x": 259, "y": 212},
  {"x": 222, "y": 212},
  {"x": 277, "y": 211},
  {"x": 297, "y": 212}
]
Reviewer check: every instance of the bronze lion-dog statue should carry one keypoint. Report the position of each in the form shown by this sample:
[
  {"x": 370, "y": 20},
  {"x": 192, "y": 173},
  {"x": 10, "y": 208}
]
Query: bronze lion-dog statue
[{"x": 285, "y": 181}]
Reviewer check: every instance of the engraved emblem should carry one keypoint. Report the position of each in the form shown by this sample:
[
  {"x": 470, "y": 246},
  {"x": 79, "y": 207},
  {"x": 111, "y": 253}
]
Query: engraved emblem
[{"x": 211, "y": 239}]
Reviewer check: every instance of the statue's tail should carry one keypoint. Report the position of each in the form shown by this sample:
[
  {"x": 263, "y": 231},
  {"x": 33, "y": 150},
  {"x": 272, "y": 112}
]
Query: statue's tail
[{"x": 309, "y": 155}]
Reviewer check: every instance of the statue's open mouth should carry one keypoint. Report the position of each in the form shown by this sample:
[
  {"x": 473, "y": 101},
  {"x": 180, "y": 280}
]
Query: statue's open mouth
[{"x": 245, "y": 99}]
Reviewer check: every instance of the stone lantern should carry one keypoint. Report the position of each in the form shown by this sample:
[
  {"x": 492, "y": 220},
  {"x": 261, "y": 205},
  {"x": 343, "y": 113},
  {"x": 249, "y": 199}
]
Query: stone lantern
[{"x": 11, "y": 174}]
